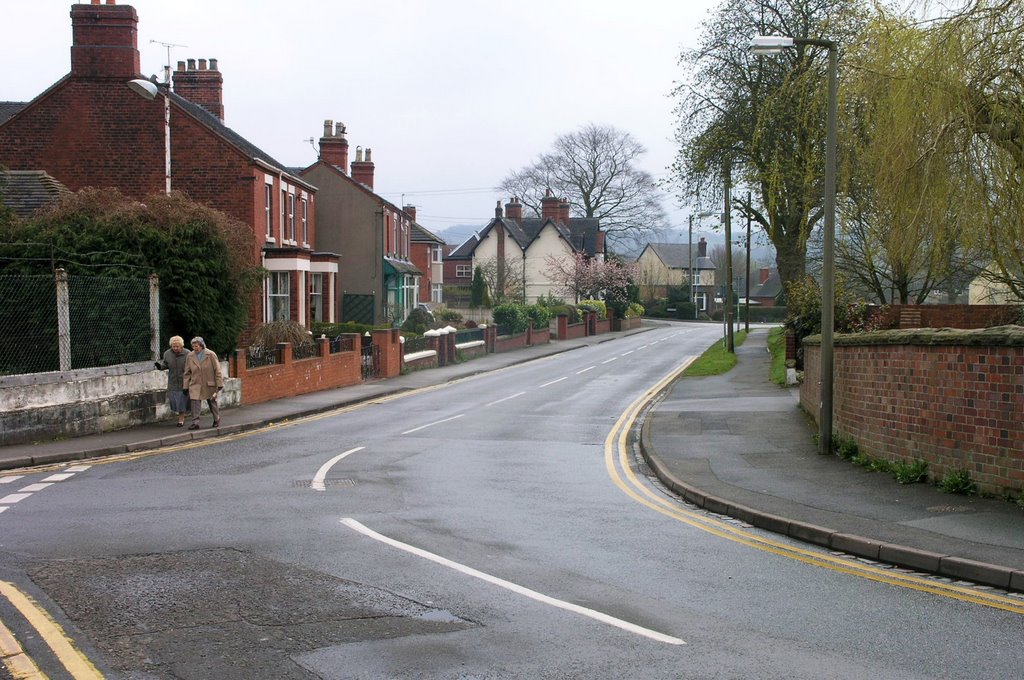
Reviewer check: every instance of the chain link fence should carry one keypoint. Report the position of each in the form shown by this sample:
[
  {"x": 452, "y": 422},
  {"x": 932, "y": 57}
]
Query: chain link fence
[{"x": 61, "y": 323}]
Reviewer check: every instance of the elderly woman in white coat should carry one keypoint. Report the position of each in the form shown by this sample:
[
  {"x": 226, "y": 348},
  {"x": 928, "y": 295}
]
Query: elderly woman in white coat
[
  {"x": 174, "y": 363},
  {"x": 203, "y": 380}
]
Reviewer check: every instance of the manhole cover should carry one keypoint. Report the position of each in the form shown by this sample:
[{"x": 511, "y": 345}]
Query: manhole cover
[{"x": 306, "y": 483}]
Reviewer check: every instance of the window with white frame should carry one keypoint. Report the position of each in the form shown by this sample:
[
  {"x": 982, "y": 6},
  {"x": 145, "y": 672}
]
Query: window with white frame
[
  {"x": 291, "y": 217},
  {"x": 695, "y": 277},
  {"x": 316, "y": 297},
  {"x": 268, "y": 197},
  {"x": 463, "y": 271},
  {"x": 437, "y": 255},
  {"x": 305, "y": 221},
  {"x": 437, "y": 292},
  {"x": 701, "y": 300},
  {"x": 284, "y": 206},
  {"x": 279, "y": 297}
]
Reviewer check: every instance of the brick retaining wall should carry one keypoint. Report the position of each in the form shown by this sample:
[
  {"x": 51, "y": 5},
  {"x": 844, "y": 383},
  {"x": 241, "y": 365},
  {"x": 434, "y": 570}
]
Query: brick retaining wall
[{"x": 953, "y": 398}]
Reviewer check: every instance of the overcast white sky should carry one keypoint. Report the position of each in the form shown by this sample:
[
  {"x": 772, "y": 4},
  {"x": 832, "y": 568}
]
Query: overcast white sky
[{"x": 450, "y": 94}]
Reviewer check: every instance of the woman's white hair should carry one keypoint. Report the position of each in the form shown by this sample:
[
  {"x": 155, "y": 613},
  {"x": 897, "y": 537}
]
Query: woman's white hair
[{"x": 199, "y": 340}]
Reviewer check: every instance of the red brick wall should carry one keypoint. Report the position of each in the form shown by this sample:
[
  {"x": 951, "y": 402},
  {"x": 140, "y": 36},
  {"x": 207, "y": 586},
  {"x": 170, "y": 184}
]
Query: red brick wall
[
  {"x": 952, "y": 405},
  {"x": 949, "y": 316},
  {"x": 507, "y": 343},
  {"x": 603, "y": 326},
  {"x": 540, "y": 337},
  {"x": 289, "y": 378}
]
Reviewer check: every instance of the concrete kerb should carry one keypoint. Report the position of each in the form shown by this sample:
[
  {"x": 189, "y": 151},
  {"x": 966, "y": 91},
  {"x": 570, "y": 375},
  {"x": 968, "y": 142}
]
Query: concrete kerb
[{"x": 858, "y": 546}]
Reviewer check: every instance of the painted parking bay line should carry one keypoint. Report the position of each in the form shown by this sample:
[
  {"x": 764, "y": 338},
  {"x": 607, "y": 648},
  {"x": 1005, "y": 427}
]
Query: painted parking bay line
[{"x": 515, "y": 588}]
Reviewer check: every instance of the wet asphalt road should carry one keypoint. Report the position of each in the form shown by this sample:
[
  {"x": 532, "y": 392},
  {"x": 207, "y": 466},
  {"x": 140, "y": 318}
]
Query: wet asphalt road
[{"x": 497, "y": 544}]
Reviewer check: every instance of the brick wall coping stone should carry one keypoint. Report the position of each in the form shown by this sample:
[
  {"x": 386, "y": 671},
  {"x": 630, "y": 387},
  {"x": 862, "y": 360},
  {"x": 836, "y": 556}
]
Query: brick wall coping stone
[{"x": 997, "y": 336}]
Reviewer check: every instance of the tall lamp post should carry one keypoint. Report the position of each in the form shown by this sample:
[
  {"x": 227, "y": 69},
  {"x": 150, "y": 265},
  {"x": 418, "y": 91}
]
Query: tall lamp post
[
  {"x": 775, "y": 44},
  {"x": 149, "y": 90}
]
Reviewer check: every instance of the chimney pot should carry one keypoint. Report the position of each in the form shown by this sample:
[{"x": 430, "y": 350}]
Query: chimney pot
[
  {"x": 368, "y": 152},
  {"x": 328, "y": 126},
  {"x": 201, "y": 86},
  {"x": 181, "y": 66},
  {"x": 213, "y": 64},
  {"x": 339, "y": 129},
  {"x": 202, "y": 64},
  {"x": 191, "y": 64}
]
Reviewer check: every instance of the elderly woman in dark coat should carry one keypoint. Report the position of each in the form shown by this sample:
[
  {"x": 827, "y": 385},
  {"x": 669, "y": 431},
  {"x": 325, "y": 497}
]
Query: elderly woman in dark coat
[
  {"x": 174, "y": 363},
  {"x": 203, "y": 380}
]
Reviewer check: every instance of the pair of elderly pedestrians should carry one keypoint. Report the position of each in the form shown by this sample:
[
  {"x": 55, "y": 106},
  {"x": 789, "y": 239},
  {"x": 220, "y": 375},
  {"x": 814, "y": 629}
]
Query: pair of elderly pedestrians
[{"x": 192, "y": 377}]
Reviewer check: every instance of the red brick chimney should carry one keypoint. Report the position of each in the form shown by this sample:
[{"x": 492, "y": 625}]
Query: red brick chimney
[
  {"x": 410, "y": 210},
  {"x": 702, "y": 248},
  {"x": 764, "y": 275},
  {"x": 203, "y": 85},
  {"x": 549, "y": 206},
  {"x": 563, "y": 210},
  {"x": 334, "y": 145},
  {"x": 104, "y": 41},
  {"x": 514, "y": 209},
  {"x": 600, "y": 243},
  {"x": 362, "y": 170}
]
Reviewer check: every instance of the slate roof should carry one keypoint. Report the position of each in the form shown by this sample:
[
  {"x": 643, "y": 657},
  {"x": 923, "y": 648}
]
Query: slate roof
[
  {"x": 677, "y": 256},
  {"x": 8, "y": 109},
  {"x": 771, "y": 288},
  {"x": 580, "y": 233},
  {"x": 465, "y": 249},
  {"x": 421, "y": 235},
  {"x": 25, "y": 191}
]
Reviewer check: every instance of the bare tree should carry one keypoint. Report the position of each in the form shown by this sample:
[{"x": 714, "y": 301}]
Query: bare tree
[
  {"x": 505, "y": 279},
  {"x": 594, "y": 168}
]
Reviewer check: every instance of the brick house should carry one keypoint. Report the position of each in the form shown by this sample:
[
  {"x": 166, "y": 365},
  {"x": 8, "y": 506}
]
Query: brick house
[
  {"x": 377, "y": 283},
  {"x": 427, "y": 254},
  {"x": 666, "y": 265},
  {"x": 91, "y": 129},
  {"x": 523, "y": 245}
]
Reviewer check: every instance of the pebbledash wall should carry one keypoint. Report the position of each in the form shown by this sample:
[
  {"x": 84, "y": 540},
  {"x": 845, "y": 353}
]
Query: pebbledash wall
[{"x": 953, "y": 398}]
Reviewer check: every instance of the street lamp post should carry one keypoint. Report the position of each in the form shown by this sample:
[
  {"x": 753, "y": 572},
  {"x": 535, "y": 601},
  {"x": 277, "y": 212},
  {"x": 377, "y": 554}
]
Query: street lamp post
[
  {"x": 746, "y": 294},
  {"x": 730, "y": 344},
  {"x": 149, "y": 90},
  {"x": 774, "y": 44}
]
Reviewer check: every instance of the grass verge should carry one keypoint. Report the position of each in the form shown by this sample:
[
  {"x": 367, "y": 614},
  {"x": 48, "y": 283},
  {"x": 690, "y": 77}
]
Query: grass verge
[{"x": 715, "y": 360}]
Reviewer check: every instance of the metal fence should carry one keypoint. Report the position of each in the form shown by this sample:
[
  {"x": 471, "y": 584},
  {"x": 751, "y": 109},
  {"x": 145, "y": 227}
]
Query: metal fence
[
  {"x": 61, "y": 323},
  {"x": 257, "y": 356},
  {"x": 306, "y": 350},
  {"x": 468, "y": 335},
  {"x": 419, "y": 344}
]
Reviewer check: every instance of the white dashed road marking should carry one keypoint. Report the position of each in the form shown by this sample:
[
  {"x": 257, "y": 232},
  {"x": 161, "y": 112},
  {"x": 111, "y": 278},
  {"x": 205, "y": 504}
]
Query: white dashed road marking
[
  {"x": 32, "y": 488},
  {"x": 8, "y": 480},
  {"x": 518, "y": 394},
  {"x": 26, "y": 491},
  {"x": 436, "y": 422},
  {"x": 554, "y": 381}
]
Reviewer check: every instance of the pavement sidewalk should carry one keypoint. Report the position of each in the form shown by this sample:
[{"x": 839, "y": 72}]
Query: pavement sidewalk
[
  {"x": 740, "y": 445},
  {"x": 735, "y": 444}
]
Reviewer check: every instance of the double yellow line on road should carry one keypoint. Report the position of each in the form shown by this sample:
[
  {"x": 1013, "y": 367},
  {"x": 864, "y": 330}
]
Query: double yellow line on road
[
  {"x": 617, "y": 463},
  {"x": 18, "y": 663}
]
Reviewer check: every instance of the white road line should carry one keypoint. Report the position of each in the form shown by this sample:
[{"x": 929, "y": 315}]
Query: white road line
[
  {"x": 555, "y": 381},
  {"x": 515, "y": 588},
  {"x": 32, "y": 488},
  {"x": 517, "y": 394},
  {"x": 588, "y": 368},
  {"x": 321, "y": 474},
  {"x": 8, "y": 480},
  {"x": 4, "y": 507},
  {"x": 436, "y": 422},
  {"x": 77, "y": 468},
  {"x": 626, "y": 354},
  {"x": 608, "y": 361},
  {"x": 14, "y": 498},
  {"x": 59, "y": 477}
]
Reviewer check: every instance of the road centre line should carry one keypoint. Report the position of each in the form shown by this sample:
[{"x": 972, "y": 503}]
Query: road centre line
[
  {"x": 588, "y": 368},
  {"x": 77, "y": 664},
  {"x": 617, "y": 452},
  {"x": 436, "y": 422},
  {"x": 515, "y": 588},
  {"x": 517, "y": 394},
  {"x": 626, "y": 354},
  {"x": 608, "y": 361},
  {"x": 318, "y": 479},
  {"x": 558, "y": 380}
]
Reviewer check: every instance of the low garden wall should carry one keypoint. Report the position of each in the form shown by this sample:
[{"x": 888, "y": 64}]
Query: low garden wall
[
  {"x": 290, "y": 377},
  {"x": 953, "y": 398}
]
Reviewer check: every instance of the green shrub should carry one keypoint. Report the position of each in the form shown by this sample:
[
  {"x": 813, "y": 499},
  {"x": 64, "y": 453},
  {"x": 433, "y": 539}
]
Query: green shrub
[
  {"x": 512, "y": 316},
  {"x": 419, "y": 321},
  {"x": 442, "y": 313},
  {"x": 958, "y": 482},
  {"x": 570, "y": 310},
  {"x": 539, "y": 315},
  {"x": 594, "y": 306},
  {"x": 910, "y": 473},
  {"x": 635, "y": 309}
]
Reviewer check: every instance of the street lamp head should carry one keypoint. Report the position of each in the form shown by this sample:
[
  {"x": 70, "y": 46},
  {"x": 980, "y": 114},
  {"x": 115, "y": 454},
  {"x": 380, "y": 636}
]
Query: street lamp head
[
  {"x": 770, "y": 44},
  {"x": 144, "y": 88}
]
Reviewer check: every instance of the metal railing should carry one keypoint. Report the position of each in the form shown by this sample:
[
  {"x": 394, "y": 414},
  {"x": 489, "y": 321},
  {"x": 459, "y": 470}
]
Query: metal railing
[
  {"x": 419, "y": 344},
  {"x": 258, "y": 357},
  {"x": 307, "y": 350},
  {"x": 469, "y": 335}
]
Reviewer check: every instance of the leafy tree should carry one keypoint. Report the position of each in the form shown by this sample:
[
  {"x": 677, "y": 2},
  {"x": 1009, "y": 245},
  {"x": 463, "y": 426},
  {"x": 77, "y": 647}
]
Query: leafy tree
[
  {"x": 199, "y": 253},
  {"x": 594, "y": 168},
  {"x": 761, "y": 120},
  {"x": 580, "y": 277}
]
